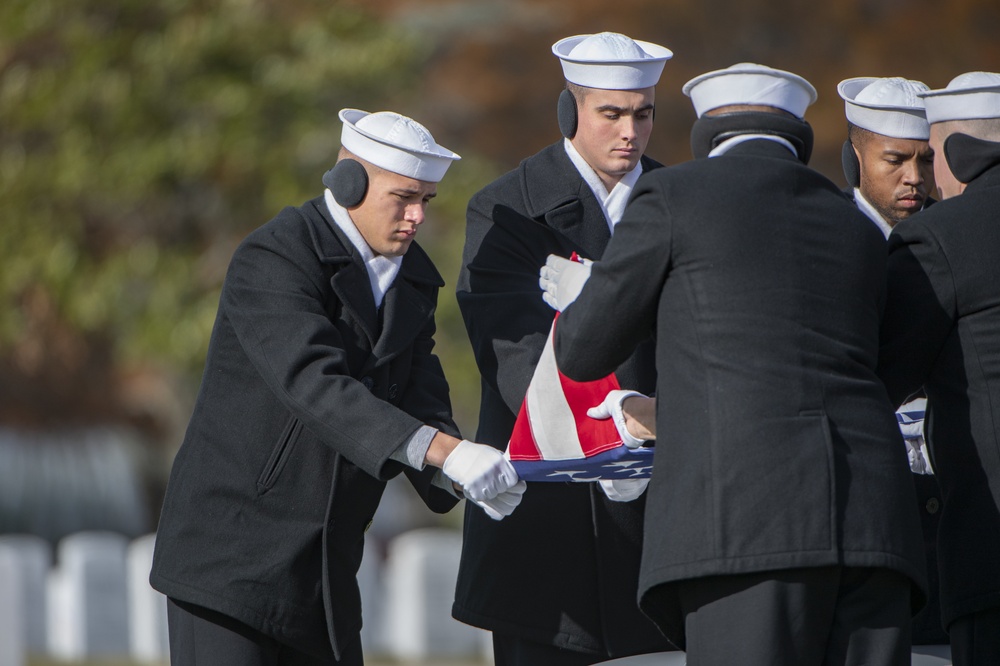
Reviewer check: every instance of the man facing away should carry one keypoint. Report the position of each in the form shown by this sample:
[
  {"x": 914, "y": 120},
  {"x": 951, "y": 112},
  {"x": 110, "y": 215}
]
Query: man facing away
[
  {"x": 320, "y": 385},
  {"x": 890, "y": 166},
  {"x": 942, "y": 332},
  {"x": 556, "y": 582},
  {"x": 780, "y": 526}
]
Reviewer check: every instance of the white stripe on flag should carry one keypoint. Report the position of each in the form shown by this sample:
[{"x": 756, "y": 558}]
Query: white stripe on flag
[{"x": 549, "y": 414}]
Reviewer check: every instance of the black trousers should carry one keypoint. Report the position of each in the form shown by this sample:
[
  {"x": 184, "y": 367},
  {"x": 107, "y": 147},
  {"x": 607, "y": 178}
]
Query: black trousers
[
  {"x": 975, "y": 639},
  {"x": 202, "y": 637},
  {"x": 515, "y": 651},
  {"x": 801, "y": 617}
]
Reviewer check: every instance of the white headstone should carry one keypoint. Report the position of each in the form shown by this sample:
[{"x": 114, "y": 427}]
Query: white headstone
[
  {"x": 12, "y": 643},
  {"x": 486, "y": 647},
  {"x": 147, "y": 607},
  {"x": 421, "y": 569},
  {"x": 372, "y": 595},
  {"x": 88, "y": 600},
  {"x": 33, "y": 556}
]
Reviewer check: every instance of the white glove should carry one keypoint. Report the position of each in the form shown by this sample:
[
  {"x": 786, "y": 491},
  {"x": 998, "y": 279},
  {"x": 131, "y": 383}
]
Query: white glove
[
  {"x": 503, "y": 504},
  {"x": 562, "y": 279},
  {"x": 611, "y": 408},
  {"x": 482, "y": 471},
  {"x": 623, "y": 490}
]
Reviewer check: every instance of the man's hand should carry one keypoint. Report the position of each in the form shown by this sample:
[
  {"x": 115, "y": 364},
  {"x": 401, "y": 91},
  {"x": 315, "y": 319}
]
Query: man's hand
[
  {"x": 611, "y": 408},
  {"x": 623, "y": 490},
  {"x": 482, "y": 471},
  {"x": 503, "y": 504},
  {"x": 562, "y": 279}
]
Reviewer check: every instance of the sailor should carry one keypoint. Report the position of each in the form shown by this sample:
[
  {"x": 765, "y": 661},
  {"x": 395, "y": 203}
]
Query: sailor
[
  {"x": 890, "y": 166},
  {"x": 780, "y": 526},
  {"x": 320, "y": 385},
  {"x": 556, "y": 581},
  {"x": 942, "y": 333}
]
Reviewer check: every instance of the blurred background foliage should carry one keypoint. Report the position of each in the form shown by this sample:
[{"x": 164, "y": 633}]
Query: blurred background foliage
[{"x": 140, "y": 140}]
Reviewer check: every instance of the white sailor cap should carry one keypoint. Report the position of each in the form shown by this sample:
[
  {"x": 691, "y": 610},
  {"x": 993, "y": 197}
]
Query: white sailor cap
[
  {"x": 750, "y": 83},
  {"x": 890, "y": 106},
  {"x": 611, "y": 61},
  {"x": 395, "y": 143},
  {"x": 967, "y": 97}
]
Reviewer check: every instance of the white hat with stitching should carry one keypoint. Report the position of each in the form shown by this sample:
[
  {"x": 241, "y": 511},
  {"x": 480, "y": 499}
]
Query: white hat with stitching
[
  {"x": 751, "y": 84},
  {"x": 887, "y": 106},
  {"x": 967, "y": 97},
  {"x": 395, "y": 143},
  {"x": 611, "y": 61}
]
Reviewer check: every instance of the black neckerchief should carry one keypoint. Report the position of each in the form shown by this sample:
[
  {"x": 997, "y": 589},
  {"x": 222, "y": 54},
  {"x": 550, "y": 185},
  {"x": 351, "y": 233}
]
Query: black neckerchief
[
  {"x": 969, "y": 157},
  {"x": 709, "y": 131}
]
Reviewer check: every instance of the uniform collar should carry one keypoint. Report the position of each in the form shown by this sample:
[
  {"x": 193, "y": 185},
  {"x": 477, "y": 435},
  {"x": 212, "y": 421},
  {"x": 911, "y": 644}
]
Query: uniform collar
[
  {"x": 865, "y": 207},
  {"x": 406, "y": 309},
  {"x": 382, "y": 270},
  {"x": 613, "y": 202},
  {"x": 333, "y": 247},
  {"x": 731, "y": 143}
]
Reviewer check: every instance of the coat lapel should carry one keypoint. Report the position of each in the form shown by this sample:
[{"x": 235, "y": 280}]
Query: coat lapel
[
  {"x": 554, "y": 191},
  {"x": 352, "y": 287},
  {"x": 350, "y": 277},
  {"x": 406, "y": 308},
  {"x": 405, "y": 312}
]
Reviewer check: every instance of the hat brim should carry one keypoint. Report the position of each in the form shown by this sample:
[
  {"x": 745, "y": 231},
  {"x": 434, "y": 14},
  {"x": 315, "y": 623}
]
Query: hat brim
[
  {"x": 427, "y": 165},
  {"x": 750, "y": 86},
  {"x": 962, "y": 104},
  {"x": 893, "y": 120},
  {"x": 623, "y": 74}
]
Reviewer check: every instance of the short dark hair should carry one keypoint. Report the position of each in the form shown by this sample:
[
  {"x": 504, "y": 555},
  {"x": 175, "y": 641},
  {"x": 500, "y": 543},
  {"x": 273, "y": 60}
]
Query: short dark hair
[
  {"x": 372, "y": 169},
  {"x": 749, "y": 108},
  {"x": 858, "y": 135},
  {"x": 579, "y": 92}
]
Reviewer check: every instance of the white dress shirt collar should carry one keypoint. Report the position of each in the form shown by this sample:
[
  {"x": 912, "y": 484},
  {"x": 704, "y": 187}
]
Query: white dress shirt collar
[
  {"x": 865, "y": 207},
  {"x": 381, "y": 270},
  {"x": 612, "y": 203},
  {"x": 731, "y": 143}
]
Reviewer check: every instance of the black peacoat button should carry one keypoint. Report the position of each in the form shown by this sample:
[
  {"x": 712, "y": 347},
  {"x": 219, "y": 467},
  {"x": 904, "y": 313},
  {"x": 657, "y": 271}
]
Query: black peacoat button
[
  {"x": 932, "y": 506},
  {"x": 393, "y": 391},
  {"x": 368, "y": 383}
]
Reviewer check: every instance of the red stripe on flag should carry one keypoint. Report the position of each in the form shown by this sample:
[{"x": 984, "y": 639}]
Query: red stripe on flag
[
  {"x": 522, "y": 442},
  {"x": 596, "y": 436}
]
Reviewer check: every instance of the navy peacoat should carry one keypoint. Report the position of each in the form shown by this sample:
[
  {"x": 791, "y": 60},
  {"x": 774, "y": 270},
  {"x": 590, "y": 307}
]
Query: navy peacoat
[
  {"x": 777, "y": 447},
  {"x": 942, "y": 331},
  {"x": 561, "y": 570},
  {"x": 307, "y": 390}
]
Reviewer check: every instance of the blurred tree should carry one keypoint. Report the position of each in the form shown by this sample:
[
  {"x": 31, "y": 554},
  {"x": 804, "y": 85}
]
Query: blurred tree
[
  {"x": 140, "y": 141},
  {"x": 496, "y": 81}
]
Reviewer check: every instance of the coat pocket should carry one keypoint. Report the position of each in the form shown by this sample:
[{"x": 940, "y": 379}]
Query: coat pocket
[
  {"x": 775, "y": 492},
  {"x": 279, "y": 456}
]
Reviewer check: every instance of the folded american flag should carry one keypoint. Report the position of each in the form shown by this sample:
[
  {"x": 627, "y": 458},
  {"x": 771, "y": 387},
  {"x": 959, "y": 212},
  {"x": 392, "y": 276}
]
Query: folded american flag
[
  {"x": 910, "y": 418},
  {"x": 555, "y": 440}
]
